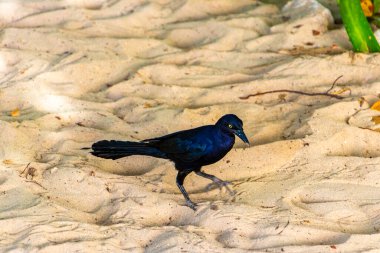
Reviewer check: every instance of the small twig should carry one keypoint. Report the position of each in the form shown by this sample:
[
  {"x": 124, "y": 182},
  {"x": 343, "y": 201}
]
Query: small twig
[
  {"x": 27, "y": 166},
  {"x": 35, "y": 182},
  {"x": 287, "y": 224},
  {"x": 326, "y": 93},
  {"x": 293, "y": 91},
  {"x": 332, "y": 86},
  {"x": 28, "y": 172}
]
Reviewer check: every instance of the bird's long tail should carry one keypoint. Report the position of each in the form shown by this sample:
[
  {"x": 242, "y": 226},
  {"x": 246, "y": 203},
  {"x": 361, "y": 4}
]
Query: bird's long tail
[{"x": 118, "y": 149}]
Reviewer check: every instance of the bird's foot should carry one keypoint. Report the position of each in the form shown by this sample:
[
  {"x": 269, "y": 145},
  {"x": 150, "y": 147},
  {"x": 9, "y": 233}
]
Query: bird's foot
[
  {"x": 222, "y": 184},
  {"x": 191, "y": 204},
  {"x": 225, "y": 185}
]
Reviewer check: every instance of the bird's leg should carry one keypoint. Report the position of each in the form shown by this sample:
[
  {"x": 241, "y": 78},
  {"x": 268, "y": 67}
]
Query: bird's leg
[
  {"x": 216, "y": 180},
  {"x": 180, "y": 178}
]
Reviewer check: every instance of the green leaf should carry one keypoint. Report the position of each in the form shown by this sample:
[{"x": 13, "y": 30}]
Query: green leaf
[
  {"x": 376, "y": 3},
  {"x": 357, "y": 27}
]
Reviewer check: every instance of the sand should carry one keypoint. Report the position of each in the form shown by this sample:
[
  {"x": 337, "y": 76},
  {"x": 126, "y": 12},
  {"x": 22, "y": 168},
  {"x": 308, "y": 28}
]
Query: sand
[{"x": 74, "y": 72}]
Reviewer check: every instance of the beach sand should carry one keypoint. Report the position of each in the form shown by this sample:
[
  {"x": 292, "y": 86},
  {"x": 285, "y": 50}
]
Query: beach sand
[{"x": 75, "y": 72}]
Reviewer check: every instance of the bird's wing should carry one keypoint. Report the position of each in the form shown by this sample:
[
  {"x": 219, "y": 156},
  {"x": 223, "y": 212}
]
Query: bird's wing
[{"x": 185, "y": 146}]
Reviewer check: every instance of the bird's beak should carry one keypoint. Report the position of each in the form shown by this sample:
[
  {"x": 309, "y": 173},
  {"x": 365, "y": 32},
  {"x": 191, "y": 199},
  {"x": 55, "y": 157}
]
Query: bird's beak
[{"x": 241, "y": 135}]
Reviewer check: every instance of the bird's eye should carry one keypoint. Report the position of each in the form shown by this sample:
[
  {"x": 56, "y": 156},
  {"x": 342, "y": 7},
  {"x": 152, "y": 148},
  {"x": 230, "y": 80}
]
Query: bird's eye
[{"x": 229, "y": 126}]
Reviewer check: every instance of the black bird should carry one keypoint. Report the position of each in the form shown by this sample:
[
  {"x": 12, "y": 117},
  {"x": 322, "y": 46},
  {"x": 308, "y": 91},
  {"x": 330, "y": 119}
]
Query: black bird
[{"x": 189, "y": 149}]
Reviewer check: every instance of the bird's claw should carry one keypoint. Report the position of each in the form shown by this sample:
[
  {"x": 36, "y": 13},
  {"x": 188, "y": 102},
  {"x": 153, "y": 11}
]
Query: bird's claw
[
  {"x": 225, "y": 184},
  {"x": 222, "y": 184},
  {"x": 191, "y": 204}
]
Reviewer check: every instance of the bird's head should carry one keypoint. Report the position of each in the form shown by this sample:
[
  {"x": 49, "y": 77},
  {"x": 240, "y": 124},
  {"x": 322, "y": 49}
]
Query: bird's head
[{"x": 232, "y": 124}]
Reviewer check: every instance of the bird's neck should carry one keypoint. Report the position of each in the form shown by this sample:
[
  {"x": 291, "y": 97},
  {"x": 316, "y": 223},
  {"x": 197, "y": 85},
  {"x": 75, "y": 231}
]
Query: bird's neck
[{"x": 227, "y": 138}]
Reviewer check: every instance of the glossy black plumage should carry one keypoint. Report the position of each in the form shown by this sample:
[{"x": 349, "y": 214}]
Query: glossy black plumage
[{"x": 189, "y": 150}]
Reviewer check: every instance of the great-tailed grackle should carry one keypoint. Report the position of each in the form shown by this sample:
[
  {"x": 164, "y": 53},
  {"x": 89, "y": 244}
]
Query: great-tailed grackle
[{"x": 189, "y": 149}]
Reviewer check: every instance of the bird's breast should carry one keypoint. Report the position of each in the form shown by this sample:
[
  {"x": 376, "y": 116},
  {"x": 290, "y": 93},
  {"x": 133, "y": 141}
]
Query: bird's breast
[{"x": 220, "y": 147}]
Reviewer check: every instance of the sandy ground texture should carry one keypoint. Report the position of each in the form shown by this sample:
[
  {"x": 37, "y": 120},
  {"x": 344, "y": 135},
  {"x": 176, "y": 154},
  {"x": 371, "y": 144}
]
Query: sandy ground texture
[{"x": 77, "y": 71}]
